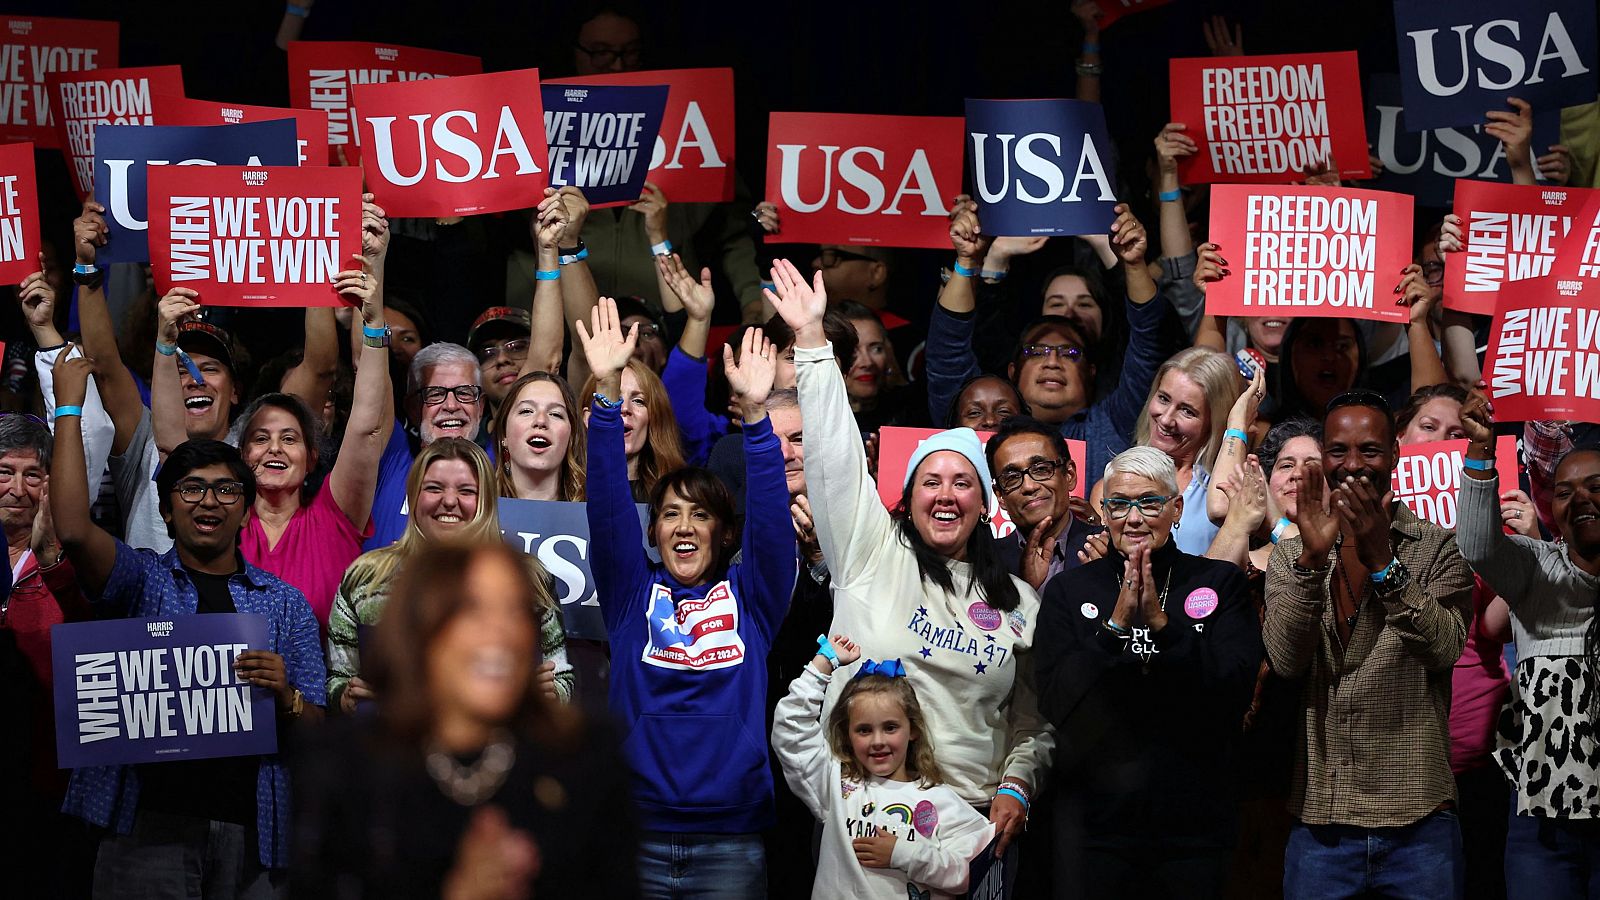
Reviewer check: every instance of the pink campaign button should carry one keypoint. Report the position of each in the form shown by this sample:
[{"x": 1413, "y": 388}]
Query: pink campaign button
[
  {"x": 984, "y": 616},
  {"x": 1201, "y": 603},
  {"x": 925, "y": 818}
]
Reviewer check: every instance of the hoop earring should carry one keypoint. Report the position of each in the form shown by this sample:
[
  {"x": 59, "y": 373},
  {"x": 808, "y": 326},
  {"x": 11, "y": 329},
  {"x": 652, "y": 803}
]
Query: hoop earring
[{"x": 983, "y": 518}]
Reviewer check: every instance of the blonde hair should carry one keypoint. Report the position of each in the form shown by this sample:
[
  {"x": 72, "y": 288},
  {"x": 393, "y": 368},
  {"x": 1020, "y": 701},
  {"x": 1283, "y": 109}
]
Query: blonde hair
[
  {"x": 920, "y": 761},
  {"x": 1218, "y": 377}
]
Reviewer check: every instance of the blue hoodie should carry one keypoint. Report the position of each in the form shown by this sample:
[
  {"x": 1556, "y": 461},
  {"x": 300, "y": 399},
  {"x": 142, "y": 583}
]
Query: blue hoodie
[{"x": 688, "y": 664}]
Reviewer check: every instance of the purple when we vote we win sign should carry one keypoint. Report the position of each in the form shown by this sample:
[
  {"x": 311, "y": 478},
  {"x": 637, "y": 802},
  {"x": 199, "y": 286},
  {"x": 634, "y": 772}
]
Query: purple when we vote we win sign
[{"x": 159, "y": 690}]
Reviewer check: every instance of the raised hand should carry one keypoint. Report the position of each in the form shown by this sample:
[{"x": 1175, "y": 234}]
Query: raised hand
[
  {"x": 1210, "y": 266},
  {"x": 800, "y": 304},
  {"x": 1416, "y": 293},
  {"x": 1318, "y": 524},
  {"x": 374, "y": 232},
  {"x": 89, "y": 232},
  {"x": 358, "y": 288},
  {"x": 652, "y": 204},
  {"x": 1095, "y": 546},
  {"x": 1036, "y": 553},
  {"x": 577, "y": 206},
  {"x": 38, "y": 301},
  {"x": 1246, "y": 490},
  {"x": 605, "y": 345},
  {"x": 1366, "y": 514},
  {"x": 1450, "y": 234},
  {"x": 178, "y": 305},
  {"x": 1248, "y": 406},
  {"x": 766, "y": 215},
  {"x": 750, "y": 376},
  {"x": 1218, "y": 38},
  {"x": 1556, "y": 166},
  {"x": 847, "y": 650},
  {"x": 1513, "y": 129},
  {"x": 1088, "y": 13},
  {"x": 697, "y": 297},
  {"x": 1172, "y": 145},
  {"x": 1128, "y": 238},
  {"x": 71, "y": 377},
  {"x": 1321, "y": 173},
  {"x": 549, "y": 223},
  {"x": 966, "y": 236},
  {"x": 1477, "y": 419}
]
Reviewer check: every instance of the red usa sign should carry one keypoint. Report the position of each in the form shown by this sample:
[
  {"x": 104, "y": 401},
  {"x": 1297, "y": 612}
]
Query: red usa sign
[
  {"x": 693, "y": 157},
  {"x": 254, "y": 236},
  {"x": 80, "y": 101},
  {"x": 853, "y": 179},
  {"x": 323, "y": 73},
  {"x": 310, "y": 125},
  {"x": 455, "y": 146},
  {"x": 30, "y": 49},
  {"x": 19, "y": 214},
  {"x": 1510, "y": 233}
]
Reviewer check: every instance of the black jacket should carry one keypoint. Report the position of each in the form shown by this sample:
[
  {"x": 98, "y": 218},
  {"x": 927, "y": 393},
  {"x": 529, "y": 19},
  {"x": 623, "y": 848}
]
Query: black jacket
[{"x": 1146, "y": 727}]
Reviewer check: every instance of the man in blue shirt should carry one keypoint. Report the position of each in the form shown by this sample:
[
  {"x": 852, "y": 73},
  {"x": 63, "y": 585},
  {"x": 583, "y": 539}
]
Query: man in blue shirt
[{"x": 222, "y": 821}]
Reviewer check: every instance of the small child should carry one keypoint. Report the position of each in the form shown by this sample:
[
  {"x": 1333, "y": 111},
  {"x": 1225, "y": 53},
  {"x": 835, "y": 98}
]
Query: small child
[{"x": 890, "y": 829}]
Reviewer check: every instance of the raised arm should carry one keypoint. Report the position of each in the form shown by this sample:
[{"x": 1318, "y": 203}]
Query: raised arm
[
  {"x": 685, "y": 372},
  {"x": 798, "y": 737},
  {"x": 579, "y": 295},
  {"x": 312, "y": 378},
  {"x": 769, "y": 541},
  {"x": 1231, "y": 454},
  {"x": 1515, "y": 132},
  {"x": 166, "y": 384},
  {"x": 92, "y": 550},
  {"x": 1088, "y": 65},
  {"x": 1246, "y": 492},
  {"x": 1427, "y": 367},
  {"x": 1296, "y": 589},
  {"x": 950, "y": 357},
  {"x": 653, "y": 205},
  {"x": 114, "y": 383},
  {"x": 354, "y": 478},
  {"x": 1509, "y": 566},
  {"x": 549, "y": 334},
  {"x": 1144, "y": 356}
]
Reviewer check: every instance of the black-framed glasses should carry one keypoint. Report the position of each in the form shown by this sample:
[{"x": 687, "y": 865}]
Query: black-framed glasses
[
  {"x": 1041, "y": 471},
  {"x": 514, "y": 349},
  {"x": 830, "y": 257},
  {"x": 193, "y": 491},
  {"x": 1149, "y": 506},
  {"x": 603, "y": 56},
  {"x": 1063, "y": 352},
  {"x": 649, "y": 331},
  {"x": 465, "y": 393},
  {"x": 1433, "y": 272}
]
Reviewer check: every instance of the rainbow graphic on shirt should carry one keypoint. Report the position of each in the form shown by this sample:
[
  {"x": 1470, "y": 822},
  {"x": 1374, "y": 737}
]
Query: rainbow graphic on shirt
[{"x": 901, "y": 810}]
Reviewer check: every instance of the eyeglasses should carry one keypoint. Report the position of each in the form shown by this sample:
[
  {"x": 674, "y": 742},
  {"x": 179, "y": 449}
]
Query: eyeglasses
[
  {"x": 649, "y": 331},
  {"x": 1063, "y": 352},
  {"x": 1040, "y": 471},
  {"x": 465, "y": 393},
  {"x": 1433, "y": 272},
  {"x": 602, "y": 57},
  {"x": 513, "y": 349},
  {"x": 831, "y": 257},
  {"x": 1149, "y": 507},
  {"x": 193, "y": 491}
]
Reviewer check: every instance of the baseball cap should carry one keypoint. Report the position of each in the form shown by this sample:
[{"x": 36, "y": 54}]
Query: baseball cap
[
  {"x": 496, "y": 322},
  {"x": 208, "y": 339}
]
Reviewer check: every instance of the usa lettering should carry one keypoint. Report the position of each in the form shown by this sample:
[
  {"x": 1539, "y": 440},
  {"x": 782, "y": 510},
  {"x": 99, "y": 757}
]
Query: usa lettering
[
  {"x": 450, "y": 141},
  {"x": 694, "y": 134},
  {"x": 330, "y": 91},
  {"x": 1039, "y": 156},
  {"x": 1310, "y": 251},
  {"x": 1494, "y": 55},
  {"x": 1266, "y": 119},
  {"x": 865, "y": 170},
  {"x": 1451, "y": 152},
  {"x": 565, "y": 558}
]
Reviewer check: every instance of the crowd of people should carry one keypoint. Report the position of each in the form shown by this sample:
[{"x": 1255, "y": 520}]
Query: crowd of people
[{"x": 1214, "y": 658}]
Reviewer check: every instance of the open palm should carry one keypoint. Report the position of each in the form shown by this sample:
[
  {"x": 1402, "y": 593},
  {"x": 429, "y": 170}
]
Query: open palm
[
  {"x": 697, "y": 297},
  {"x": 750, "y": 376},
  {"x": 1317, "y": 521},
  {"x": 605, "y": 345}
]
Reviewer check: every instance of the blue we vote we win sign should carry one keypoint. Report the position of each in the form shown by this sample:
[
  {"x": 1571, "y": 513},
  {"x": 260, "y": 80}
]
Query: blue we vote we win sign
[{"x": 601, "y": 137}]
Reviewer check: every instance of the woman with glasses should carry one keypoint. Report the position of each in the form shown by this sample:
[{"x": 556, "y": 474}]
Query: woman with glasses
[
  {"x": 1146, "y": 662},
  {"x": 308, "y": 521},
  {"x": 926, "y": 582}
]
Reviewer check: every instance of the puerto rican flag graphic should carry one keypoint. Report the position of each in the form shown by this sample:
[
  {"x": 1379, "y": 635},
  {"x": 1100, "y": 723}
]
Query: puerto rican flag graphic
[{"x": 697, "y": 635}]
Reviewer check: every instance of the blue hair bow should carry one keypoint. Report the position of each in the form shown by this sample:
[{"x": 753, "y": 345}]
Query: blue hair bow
[{"x": 889, "y": 668}]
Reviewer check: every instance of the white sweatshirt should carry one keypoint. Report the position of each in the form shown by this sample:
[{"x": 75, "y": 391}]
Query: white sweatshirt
[
  {"x": 937, "y": 834},
  {"x": 969, "y": 663}
]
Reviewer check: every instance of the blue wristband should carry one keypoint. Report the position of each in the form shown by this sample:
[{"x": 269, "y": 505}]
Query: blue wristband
[
  {"x": 166, "y": 349},
  {"x": 1170, "y": 196},
  {"x": 964, "y": 271},
  {"x": 1279, "y": 529},
  {"x": 992, "y": 275},
  {"x": 369, "y": 331},
  {"x": 1011, "y": 793},
  {"x": 1090, "y": 47},
  {"x": 570, "y": 258},
  {"x": 547, "y": 274},
  {"x": 1236, "y": 433},
  {"x": 300, "y": 11},
  {"x": 68, "y": 411},
  {"x": 1477, "y": 465},
  {"x": 661, "y": 249},
  {"x": 84, "y": 268},
  {"x": 1381, "y": 576},
  {"x": 825, "y": 648}
]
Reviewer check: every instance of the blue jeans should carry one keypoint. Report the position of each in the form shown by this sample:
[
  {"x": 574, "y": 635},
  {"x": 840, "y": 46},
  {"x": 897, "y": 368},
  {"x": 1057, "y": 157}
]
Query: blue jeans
[
  {"x": 1551, "y": 859},
  {"x": 1422, "y": 860},
  {"x": 702, "y": 866}
]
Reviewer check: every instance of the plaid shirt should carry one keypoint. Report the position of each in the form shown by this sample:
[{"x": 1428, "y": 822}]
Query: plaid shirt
[
  {"x": 1374, "y": 747},
  {"x": 143, "y": 584}
]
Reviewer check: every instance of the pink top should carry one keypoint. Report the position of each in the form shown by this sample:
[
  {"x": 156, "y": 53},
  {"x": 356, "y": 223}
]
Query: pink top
[
  {"x": 316, "y": 548},
  {"x": 1479, "y": 688}
]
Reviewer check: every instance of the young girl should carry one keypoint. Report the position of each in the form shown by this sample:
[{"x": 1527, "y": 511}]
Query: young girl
[{"x": 890, "y": 828}]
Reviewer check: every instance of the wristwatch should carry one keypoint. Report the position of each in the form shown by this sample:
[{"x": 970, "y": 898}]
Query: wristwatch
[{"x": 1393, "y": 581}]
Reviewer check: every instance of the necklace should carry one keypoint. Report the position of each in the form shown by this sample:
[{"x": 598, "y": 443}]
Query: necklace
[
  {"x": 472, "y": 784},
  {"x": 1350, "y": 590}
]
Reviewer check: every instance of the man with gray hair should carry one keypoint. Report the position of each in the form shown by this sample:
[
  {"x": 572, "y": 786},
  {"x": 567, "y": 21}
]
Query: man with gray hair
[{"x": 444, "y": 398}]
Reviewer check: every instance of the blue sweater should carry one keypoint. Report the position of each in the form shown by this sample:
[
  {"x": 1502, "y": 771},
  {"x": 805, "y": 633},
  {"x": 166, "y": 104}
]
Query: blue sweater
[
  {"x": 685, "y": 379},
  {"x": 688, "y": 664}
]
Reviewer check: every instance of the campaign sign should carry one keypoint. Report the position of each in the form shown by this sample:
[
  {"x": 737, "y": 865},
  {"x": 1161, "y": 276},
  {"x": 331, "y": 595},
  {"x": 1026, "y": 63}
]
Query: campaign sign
[
  {"x": 693, "y": 157},
  {"x": 310, "y": 125},
  {"x": 81, "y": 101},
  {"x": 1112, "y": 11},
  {"x": 896, "y": 444},
  {"x": 850, "y": 179},
  {"x": 1509, "y": 232},
  {"x": 557, "y": 534},
  {"x": 1041, "y": 166},
  {"x": 19, "y": 214},
  {"x": 1426, "y": 164},
  {"x": 601, "y": 138},
  {"x": 132, "y": 691},
  {"x": 1310, "y": 251},
  {"x": 1544, "y": 344},
  {"x": 322, "y": 73},
  {"x": 1427, "y": 477},
  {"x": 1461, "y": 58},
  {"x": 242, "y": 236},
  {"x": 454, "y": 146},
  {"x": 989, "y": 878},
  {"x": 125, "y": 153},
  {"x": 1266, "y": 119},
  {"x": 30, "y": 49}
]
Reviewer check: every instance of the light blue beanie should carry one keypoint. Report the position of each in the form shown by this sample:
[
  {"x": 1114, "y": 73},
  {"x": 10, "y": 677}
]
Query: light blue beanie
[{"x": 959, "y": 440}]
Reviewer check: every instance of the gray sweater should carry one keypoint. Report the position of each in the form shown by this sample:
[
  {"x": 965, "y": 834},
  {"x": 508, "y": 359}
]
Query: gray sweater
[{"x": 1551, "y": 599}]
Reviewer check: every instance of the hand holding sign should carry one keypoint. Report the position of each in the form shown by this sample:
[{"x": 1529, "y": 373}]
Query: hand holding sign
[
  {"x": 178, "y": 305},
  {"x": 374, "y": 233},
  {"x": 577, "y": 207},
  {"x": 1416, "y": 294},
  {"x": 1556, "y": 166},
  {"x": 71, "y": 376},
  {"x": 966, "y": 235},
  {"x": 1518, "y": 513},
  {"x": 356, "y": 692},
  {"x": 1172, "y": 145},
  {"x": 1210, "y": 267},
  {"x": 1128, "y": 238},
  {"x": 358, "y": 289},
  {"x": 652, "y": 204},
  {"x": 1513, "y": 129},
  {"x": 265, "y": 669},
  {"x": 551, "y": 221},
  {"x": 89, "y": 232},
  {"x": 1477, "y": 419}
]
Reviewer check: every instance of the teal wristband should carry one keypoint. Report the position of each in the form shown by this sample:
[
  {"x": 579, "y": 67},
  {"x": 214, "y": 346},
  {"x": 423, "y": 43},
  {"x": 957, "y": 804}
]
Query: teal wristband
[
  {"x": 1091, "y": 47},
  {"x": 1011, "y": 793},
  {"x": 1477, "y": 465},
  {"x": 662, "y": 249},
  {"x": 68, "y": 411},
  {"x": 1170, "y": 196},
  {"x": 298, "y": 11},
  {"x": 547, "y": 274},
  {"x": 825, "y": 648},
  {"x": 1380, "y": 577},
  {"x": 369, "y": 331},
  {"x": 1279, "y": 529},
  {"x": 166, "y": 349},
  {"x": 1236, "y": 433},
  {"x": 964, "y": 271},
  {"x": 992, "y": 275}
]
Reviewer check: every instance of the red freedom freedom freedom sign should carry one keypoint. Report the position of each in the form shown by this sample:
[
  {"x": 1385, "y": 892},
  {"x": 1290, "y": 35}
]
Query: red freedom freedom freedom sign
[
  {"x": 455, "y": 146},
  {"x": 310, "y": 125},
  {"x": 323, "y": 73},
  {"x": 693, "y": 157},
  {"x": 1310, "y": 251},
  {"x": 30, "y": 49},
  {"x": 254, "y": 236},
  {"x": 896, "y": 444},
  {"x": 81, "y": 100},
  {"x": 852, "y": 179},
  {"x": 1266, "y": 119},
  {"x": 1510, "y": 233},
  {"x": 1427, "y": 477},
  {"x": 1544, "y": 345},
  {"x": 19, "y": 214}
]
